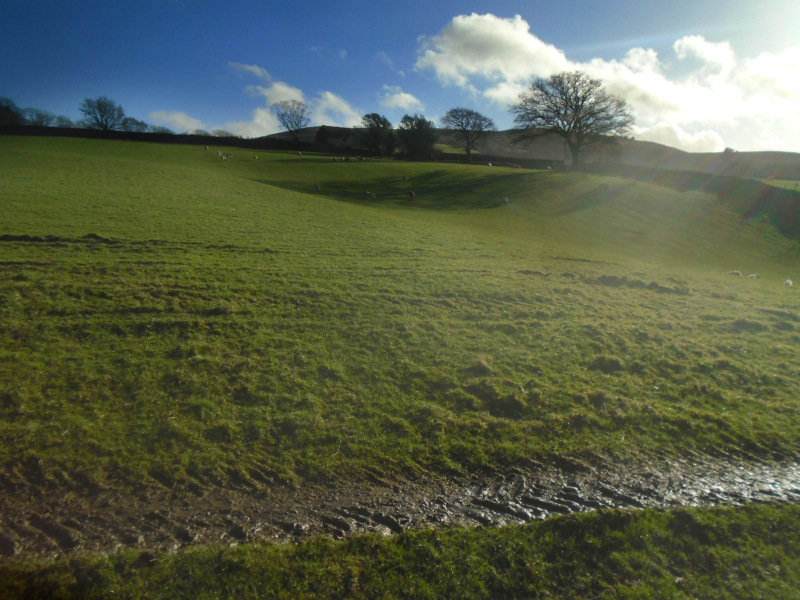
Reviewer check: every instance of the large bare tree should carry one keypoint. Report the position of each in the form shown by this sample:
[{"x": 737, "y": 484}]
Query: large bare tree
[
  {"x": 575, "y": 107},
  {"x": 292, "y": 115},
  {"x": 469, "y": 126},
  {"x": 102, "y": 113}
]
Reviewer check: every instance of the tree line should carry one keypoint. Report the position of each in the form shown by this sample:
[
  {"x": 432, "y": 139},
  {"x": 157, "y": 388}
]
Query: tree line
[
  {"x": 570, "y": 105},
  {"x": 101, "y": 114}
]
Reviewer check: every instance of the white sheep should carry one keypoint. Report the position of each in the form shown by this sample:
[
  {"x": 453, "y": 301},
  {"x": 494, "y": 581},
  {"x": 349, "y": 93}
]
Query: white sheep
[
  {"x": 788, "y": 282},
  {"x": 335, "y": 159},
  {"x": 754, "y": 276},
  {"x": 488, "y": 164},
  {"x": 737, "y": 273},
  {"x": 224, "y": 157},
  {"x": 370, "y": 195},
  {"x": 229, "y": 154},
  {"x": 505, "y": 200},
  {"x": 206, "y": 147},
  {"x": 549, "y": 168},
  {"x": 411, "y": 194},
  {"x": 219, "y": 152},
  {"x": 299, "y": 153},
  {"x": 255, "y": 156}
]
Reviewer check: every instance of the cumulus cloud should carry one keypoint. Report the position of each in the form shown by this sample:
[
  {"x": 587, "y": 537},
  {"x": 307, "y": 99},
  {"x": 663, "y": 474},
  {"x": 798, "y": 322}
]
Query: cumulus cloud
[
  {"x": 278, "y": 91},
  {"x": 330, "y": 109},
  {"x": 673, "y": 135},
  {"x": 488, "y": 48},
  {"x": 395, "y": 97},
  {"x": 176, "y": 120},
  {"x": 700, "y": 95},
  {"x": 263, "y": 123}
]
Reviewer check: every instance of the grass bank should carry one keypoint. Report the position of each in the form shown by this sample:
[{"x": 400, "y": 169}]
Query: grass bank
[{"x": 722, "y": 553}]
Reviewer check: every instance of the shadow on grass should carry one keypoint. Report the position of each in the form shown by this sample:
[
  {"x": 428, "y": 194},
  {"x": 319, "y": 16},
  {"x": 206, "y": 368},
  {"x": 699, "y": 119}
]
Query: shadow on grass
[
  {"x": 750, "y": 198},
  {"x": 440, "y": 190}
]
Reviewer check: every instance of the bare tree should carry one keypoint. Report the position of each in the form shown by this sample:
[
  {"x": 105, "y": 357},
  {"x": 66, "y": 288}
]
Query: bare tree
[
  {"x": 10, "y": 114},
  {"x": 38, "y": 117},
  {"x": 102, "y": 113},
  {"x": 131, "y": 124},
  {"x": 221, "y": 133},
  {"x": 575, "y": 107},
  {"x": 469, "y": 125},
  {"x": 292, "y": 115}
]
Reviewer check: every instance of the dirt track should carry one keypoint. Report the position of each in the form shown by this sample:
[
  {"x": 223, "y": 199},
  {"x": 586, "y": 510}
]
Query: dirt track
[{"x": 42, "y": 517}]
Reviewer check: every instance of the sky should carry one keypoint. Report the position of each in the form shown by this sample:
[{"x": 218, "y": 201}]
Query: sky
[{"x": 699, "y": 75}]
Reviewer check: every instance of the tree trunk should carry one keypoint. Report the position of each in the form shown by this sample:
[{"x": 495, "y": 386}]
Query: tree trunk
[{"x": 574, "y": 151}]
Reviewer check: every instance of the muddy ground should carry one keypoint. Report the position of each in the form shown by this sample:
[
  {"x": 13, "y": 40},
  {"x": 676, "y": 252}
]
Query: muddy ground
[{"x": 40, "y": 516}]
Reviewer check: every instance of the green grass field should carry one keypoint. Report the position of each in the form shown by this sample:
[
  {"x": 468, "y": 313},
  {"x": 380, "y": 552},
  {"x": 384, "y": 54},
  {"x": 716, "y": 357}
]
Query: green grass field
[{"x": 171, "y": 319}]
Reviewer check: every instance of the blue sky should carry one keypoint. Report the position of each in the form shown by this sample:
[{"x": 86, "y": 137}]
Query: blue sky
[{"x": 699, "y": 74}]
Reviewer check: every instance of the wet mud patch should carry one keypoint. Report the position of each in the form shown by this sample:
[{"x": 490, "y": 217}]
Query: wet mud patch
[{"x": 43, "y": 517}]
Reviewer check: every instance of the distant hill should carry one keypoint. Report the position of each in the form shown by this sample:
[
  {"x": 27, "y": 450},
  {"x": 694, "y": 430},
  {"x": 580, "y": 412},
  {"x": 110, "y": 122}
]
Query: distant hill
[{"x": 636, "y": 153}]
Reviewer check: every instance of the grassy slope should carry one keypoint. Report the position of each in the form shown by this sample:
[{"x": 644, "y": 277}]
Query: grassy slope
[{"x": 243, "y": 325}]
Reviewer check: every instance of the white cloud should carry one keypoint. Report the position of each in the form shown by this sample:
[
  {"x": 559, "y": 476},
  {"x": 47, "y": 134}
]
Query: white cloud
[
  {"x": 489, "y": 48},
  {"x": 701, "y": 95},
  {"x": 176, "y": 120},
  {"x": 259, "y": 72},
  {"x": 673, "y": 135},
  {"x": 395, "y": 97},
  {"x": 329, "y": 104},
  {"x": 263, "y": 123},
  {"x": 277, "y": 92}
]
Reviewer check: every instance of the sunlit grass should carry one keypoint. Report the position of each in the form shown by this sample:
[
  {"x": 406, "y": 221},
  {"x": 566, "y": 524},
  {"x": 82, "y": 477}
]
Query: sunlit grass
[
  {"x": 171, "y": 319},
  {"x": 227, "y": 317}
]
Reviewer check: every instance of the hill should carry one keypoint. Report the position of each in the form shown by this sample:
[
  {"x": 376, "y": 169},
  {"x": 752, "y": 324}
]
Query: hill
[
  {"x": 197, "y": 353},
  {"x": 503, "y": 146}
]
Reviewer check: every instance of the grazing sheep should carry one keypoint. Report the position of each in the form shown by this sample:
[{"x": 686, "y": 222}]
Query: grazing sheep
[
  {"x": 335, "y": 159},
  {"x": 299, "y": 153},
  {"x": 206, "y": 147},
  {"x": 411, "y": 194},
  {"x": 505, "y": 200},
  {"x": 549, "y": 168},
  {"x": 370, "y": 195},
  {"x": 488, "y": 164},
  {"x": 405, "y": 177},
  {"x": 754, "y": 276},
  {"x": 219, "y": 152},
  {"x": 346, "y": 159},
  {"x": 255, "y": 156},
  {"x": 788, "y": 282},
  {"x": 360, "y": 158},
  {"x": 224, "y": 157},
  {"x": 229, "y": 154},
  {"x": 737, "y": 273}
]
